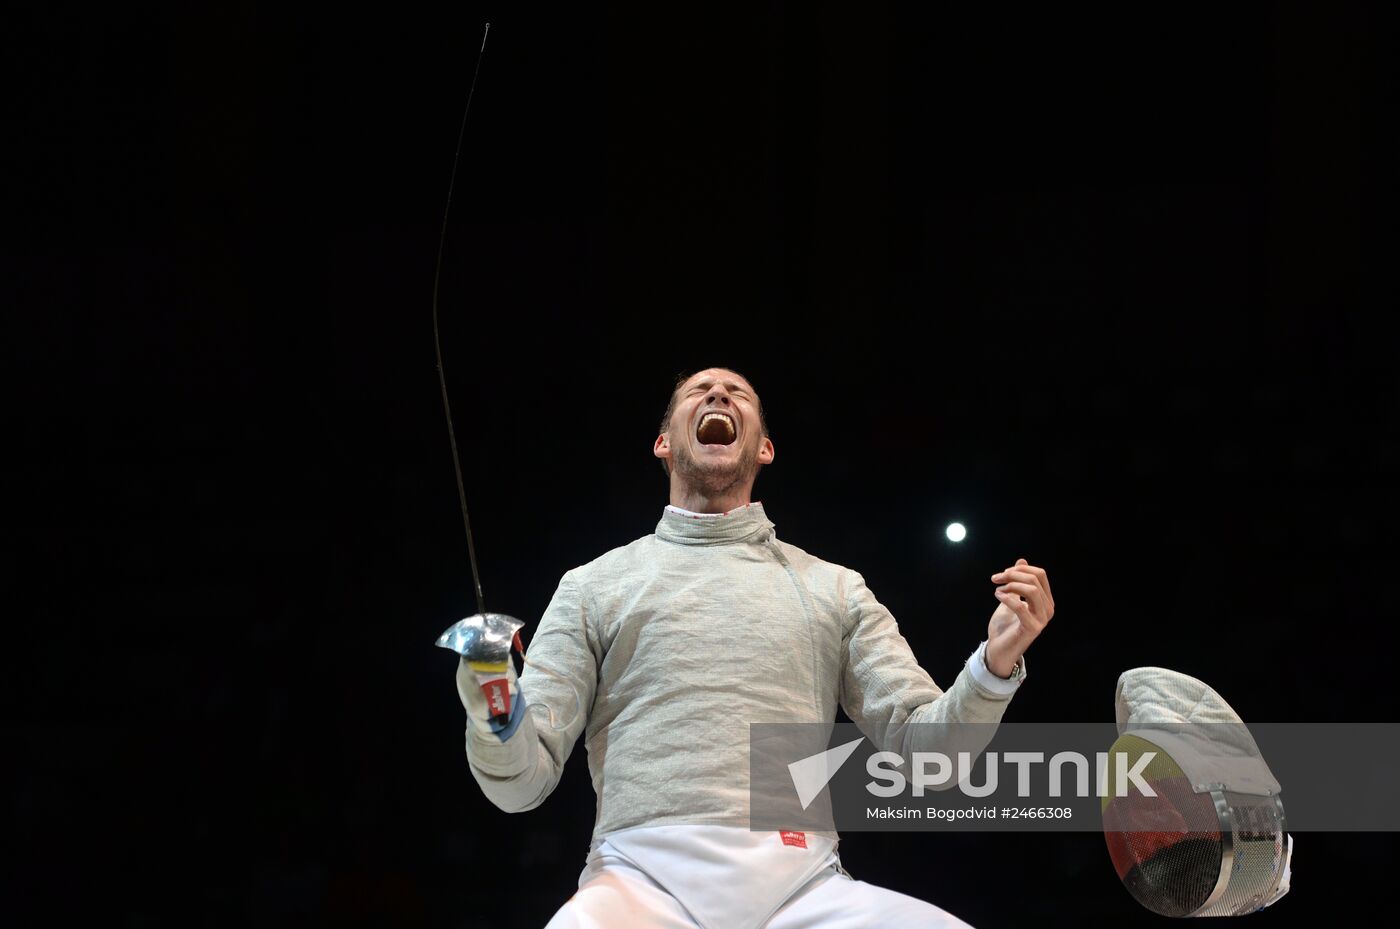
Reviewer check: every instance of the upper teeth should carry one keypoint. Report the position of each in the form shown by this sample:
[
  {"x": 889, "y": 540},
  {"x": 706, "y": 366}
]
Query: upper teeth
[{"x": 708, "y": 416}]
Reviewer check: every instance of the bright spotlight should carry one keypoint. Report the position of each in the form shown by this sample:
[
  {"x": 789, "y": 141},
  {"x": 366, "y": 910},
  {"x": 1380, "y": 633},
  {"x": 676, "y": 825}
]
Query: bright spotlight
[{"x": 956, "y": 532}]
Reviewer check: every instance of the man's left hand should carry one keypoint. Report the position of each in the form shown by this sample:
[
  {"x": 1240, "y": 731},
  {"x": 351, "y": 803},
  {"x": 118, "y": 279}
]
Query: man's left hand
[{"x": 1026, "y": 606}]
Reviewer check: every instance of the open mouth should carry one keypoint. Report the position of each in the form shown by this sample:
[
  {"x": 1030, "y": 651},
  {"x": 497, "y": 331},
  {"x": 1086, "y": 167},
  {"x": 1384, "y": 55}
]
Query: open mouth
[{"x": 716, "y": 429}]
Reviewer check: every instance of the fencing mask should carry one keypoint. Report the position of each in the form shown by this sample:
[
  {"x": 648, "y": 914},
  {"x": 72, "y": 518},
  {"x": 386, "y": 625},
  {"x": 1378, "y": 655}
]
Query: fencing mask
[{"x": 1211, "y": 839}]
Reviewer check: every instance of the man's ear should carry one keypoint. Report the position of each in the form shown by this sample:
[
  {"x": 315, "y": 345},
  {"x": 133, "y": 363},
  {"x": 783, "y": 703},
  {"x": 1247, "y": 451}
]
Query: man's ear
[
  {"x": 765, "y": 451},
  {"x": 662, "y": 448}
]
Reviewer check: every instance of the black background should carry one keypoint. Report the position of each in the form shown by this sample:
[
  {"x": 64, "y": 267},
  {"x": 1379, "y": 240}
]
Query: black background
[{"x": 1104, "y": 285}]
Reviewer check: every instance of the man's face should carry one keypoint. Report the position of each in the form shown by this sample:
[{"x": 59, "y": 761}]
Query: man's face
[{"x": 715, "y": 441}]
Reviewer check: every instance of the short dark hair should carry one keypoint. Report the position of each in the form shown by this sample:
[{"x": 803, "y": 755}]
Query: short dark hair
[{"x": 671, "y": 406}]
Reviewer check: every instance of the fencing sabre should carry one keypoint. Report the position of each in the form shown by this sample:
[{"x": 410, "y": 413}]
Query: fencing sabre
[{"x": 483, "y": 639}]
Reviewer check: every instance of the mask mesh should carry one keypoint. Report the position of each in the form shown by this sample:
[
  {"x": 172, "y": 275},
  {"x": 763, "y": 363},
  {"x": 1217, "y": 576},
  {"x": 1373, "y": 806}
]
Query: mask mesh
[{"x": 1171, "y": 850}]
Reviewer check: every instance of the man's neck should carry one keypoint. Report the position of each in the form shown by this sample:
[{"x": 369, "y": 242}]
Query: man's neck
[{"x": 698, "y": 502}]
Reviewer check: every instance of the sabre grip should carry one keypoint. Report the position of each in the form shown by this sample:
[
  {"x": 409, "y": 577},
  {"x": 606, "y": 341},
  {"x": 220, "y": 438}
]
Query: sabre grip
[{"x": 490, "y": 694}]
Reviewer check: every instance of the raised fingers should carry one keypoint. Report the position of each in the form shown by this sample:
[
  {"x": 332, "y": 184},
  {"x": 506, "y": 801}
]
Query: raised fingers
[
  {"x": 1040, "y": 573},
  {"x": 1030, "y": 574},
  {"x": 1022, "y": 609},
  {"x": 1031, "y": 592}
]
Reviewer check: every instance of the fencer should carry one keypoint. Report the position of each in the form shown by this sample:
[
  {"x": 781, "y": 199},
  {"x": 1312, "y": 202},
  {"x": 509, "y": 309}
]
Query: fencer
[{"x": 671, "y": 645}]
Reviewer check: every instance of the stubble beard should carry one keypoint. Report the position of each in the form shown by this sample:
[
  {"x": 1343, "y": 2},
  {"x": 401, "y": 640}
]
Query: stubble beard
[{"x": 714, "y": 480}]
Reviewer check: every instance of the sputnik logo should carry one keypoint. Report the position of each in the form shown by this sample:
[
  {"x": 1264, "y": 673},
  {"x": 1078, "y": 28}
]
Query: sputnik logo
[{"x": 812, "y": 773}]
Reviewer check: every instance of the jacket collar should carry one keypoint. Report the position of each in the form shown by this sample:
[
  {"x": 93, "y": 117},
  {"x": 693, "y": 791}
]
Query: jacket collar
[{"x": 738, "y": 525}]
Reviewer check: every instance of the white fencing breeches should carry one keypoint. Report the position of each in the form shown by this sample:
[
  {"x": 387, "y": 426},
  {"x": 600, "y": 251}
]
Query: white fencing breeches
[{"x": 615, "y": 894}]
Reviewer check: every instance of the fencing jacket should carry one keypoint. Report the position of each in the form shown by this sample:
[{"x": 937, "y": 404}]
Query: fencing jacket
[{"x": 675, "y": 642}]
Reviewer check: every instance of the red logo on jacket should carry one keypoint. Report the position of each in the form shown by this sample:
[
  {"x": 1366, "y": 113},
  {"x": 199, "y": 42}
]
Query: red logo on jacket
[{"x": 497, "y": 697}]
